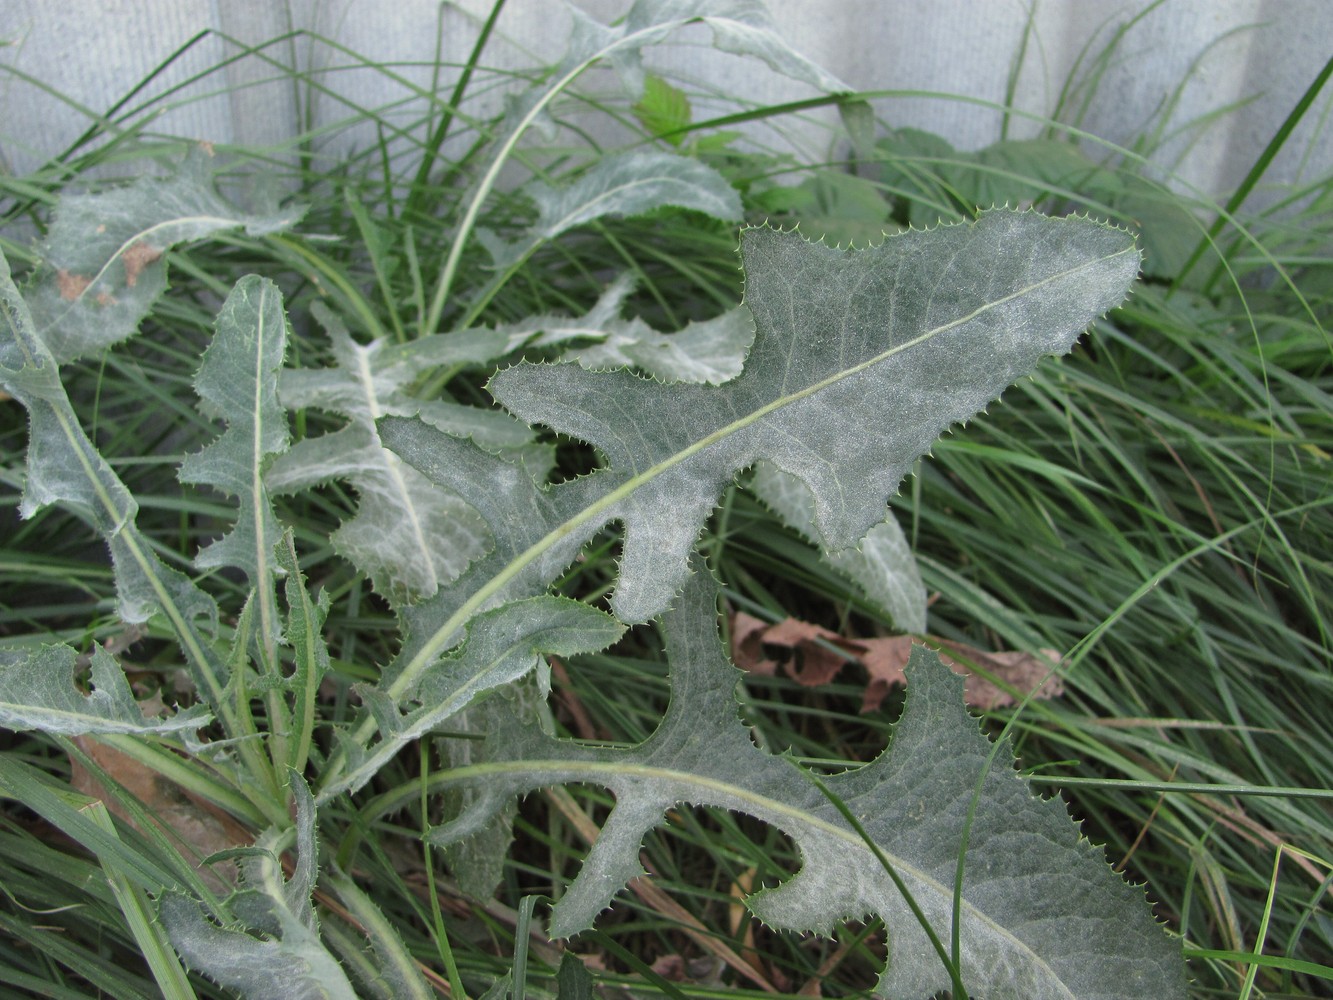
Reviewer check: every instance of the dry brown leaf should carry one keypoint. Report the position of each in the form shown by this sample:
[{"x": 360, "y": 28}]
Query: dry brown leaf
[
  {"x": 747, "y": 645},
  {"x": 816, "y": 659},
  {"x": 192, "y": 822},
  {"x": 1022, "y": 671},
  {"x": 813, "y": 662}
]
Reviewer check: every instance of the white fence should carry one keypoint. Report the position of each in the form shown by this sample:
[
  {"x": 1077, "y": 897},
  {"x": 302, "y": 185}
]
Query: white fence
[{"x": 1209, "y": 80}]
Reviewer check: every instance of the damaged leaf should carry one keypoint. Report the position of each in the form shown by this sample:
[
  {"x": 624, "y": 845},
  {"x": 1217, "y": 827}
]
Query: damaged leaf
[{"x": 103, "y": 261}]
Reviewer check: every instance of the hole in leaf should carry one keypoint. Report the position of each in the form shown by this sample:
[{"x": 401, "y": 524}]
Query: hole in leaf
[{"x": 573, "y": 458}]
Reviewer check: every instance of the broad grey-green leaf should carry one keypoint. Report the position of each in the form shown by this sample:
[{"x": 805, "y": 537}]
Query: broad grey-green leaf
[
  {"x": 1043, "y": 917},
  {"x": 64, "y": 467},
  {"x": 238, "y": 381},
  {"x": 622, "y": 185},
  {"x": 407, "y": 535},
  {"x": 881, "y": 564},
  {"x": 502, "y": 646},
  {"x": 103, "y": 260},
  {"x": 37, "y": 691},
  {"x": 290, "y": 961},
  {"x": 860, "y": 361}
]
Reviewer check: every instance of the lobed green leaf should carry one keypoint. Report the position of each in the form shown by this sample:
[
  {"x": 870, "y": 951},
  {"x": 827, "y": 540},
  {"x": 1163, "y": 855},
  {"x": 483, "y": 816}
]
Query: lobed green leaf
[{"x": 1043, "y": 917}]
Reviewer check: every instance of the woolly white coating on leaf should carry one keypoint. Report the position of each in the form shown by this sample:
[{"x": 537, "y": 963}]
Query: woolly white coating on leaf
[
  {"x": 290, "y": 961},
  {"x": 502, "y": 646},
  {"x": 860, "y": 360},
  {"x": 881, "y": 564},
  {"x": 238, "y": 382},
  {"x": 64, "y": 467},
  {"x": 406, "y": 535}
]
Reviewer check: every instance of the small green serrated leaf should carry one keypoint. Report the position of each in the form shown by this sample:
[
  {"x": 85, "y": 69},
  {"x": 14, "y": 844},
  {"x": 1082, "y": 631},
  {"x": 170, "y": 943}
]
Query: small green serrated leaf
[
  {"x": 303, "y": 634},
  {"x": 664, "y": 110},
  {"x": 573, "y": 981},
  {"x": 238, "y": 382},
  {"x": 289, "y": 961}
]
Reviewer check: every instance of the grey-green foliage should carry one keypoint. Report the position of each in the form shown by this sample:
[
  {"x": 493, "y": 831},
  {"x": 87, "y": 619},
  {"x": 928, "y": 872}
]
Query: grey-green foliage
[
  {"x": 64, "y": 467},
  {"x": 1042, "y": 916},
  {"x": 103, "y": 262},
  {"x": 290, "y": 961},
  {"x": 37, "y": 692},
  {"x": 617, "y": 186},
  {"x": 237, "y": 382},
  {"x": 502, "y": 646},
  {"x": 880, "y": 565},
  {"x": 710, "y": 350},
  {"x": 405, "y": 535},
  {"x": 860, "y": 361}
]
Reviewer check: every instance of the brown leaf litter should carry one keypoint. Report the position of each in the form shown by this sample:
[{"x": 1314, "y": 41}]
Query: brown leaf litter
[{"x": 812, "y": 655}]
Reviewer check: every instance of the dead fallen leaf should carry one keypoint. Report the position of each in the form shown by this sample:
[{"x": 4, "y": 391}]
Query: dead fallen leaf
[
  {"x": 136, "y": 258},
  {"x": 816, "y": 655},
  {"x": 201, "y": 828},
  {"x": 747, "y": 645},
  {"x": 1021, "y": 671}
]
